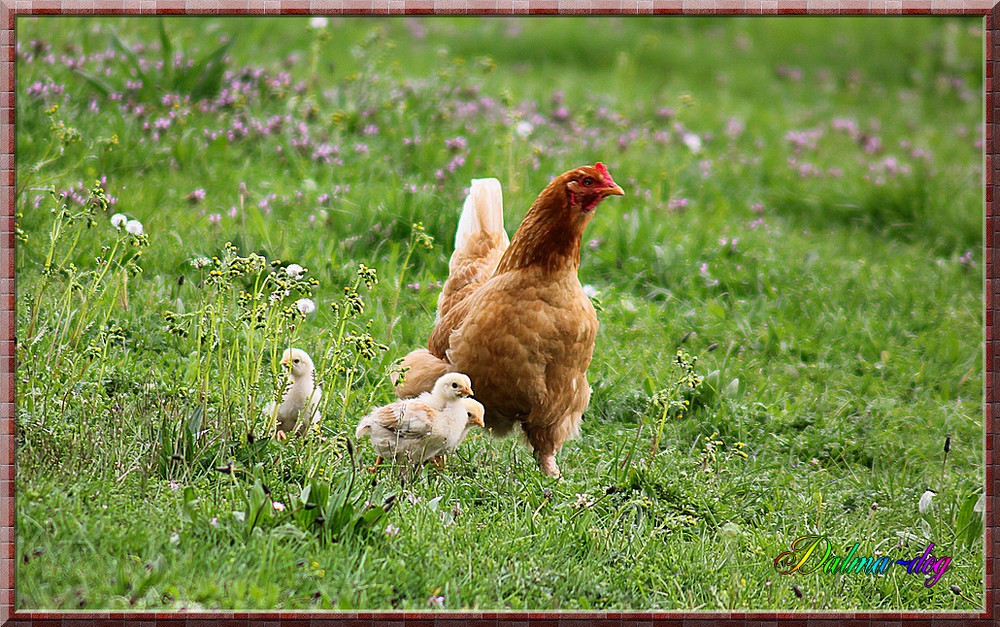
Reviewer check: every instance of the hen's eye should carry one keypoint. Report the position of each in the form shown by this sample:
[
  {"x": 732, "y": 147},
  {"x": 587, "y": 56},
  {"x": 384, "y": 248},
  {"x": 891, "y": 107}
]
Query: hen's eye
[{"x": 587, "y": 182}]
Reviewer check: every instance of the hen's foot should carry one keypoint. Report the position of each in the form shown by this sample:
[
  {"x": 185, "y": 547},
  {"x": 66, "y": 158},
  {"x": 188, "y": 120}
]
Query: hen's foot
[{"x": 547, "y": 464}]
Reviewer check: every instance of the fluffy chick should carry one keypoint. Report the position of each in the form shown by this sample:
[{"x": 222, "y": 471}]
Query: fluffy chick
[
  {"x": 300, "y": 402},
  {"x": 416, "y": 430},
  {"x": 449, "y": 387},
  {"x": 460, "y": 426}
]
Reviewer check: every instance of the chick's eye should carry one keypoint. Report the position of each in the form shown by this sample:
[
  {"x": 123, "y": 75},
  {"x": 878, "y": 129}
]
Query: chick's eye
[
  {"x": 454, "y": 385},
  {"x": 588, "y": 182},
  {"x": 470, "y": 414},
  {"x": 295, "y": 361}
]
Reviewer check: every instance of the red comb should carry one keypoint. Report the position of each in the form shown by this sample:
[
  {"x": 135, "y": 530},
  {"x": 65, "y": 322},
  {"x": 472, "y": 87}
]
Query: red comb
[{"x": 603, "y": 171}]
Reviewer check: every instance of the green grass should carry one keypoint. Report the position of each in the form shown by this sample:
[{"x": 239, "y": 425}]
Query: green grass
[{"x": 817, "y": 261}]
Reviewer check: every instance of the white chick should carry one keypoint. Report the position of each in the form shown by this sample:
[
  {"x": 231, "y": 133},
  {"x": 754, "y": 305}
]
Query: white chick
[
  {"x": 403, "y": 431},
  {"x": 447, "y": 388},
  {"x": 300, "y": 401},
  {"x": 473, "y": 417},
  {"x": 421, "y": 428}
]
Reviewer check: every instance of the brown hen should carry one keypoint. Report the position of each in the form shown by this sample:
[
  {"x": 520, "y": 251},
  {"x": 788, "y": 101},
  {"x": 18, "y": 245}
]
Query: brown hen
[{"x": 514, "y": 318}]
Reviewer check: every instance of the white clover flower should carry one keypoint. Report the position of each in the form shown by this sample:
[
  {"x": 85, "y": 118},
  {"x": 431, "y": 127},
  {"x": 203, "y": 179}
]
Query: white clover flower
[
  {"x": 118, "y": 220},
  {"x": 134, "y": 227},
  {"x": 391, "y": 530},
  {"x": 305, "y": 305},
  {"x": 318, "y": 22},
  {"x": 524, "y": 128},
  {"x": 693, "y": 142},
  {"x": 731, "y": 530},
  {"x": 294, "y": 270},
  {"x": 925, "y": 501}
]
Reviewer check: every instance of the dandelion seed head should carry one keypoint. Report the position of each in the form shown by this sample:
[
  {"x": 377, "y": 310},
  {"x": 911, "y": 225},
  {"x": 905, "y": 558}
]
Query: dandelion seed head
[
  {"x": 305, "y": 305},
  {"x": 924, "y": 505},
  {"x": 134, "y": 227}
]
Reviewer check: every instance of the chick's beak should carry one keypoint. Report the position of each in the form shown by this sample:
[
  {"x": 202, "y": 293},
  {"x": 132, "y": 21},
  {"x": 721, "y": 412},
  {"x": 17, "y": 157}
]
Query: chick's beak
[
  {"x": 466, "y": 390},
  {"x": 478, "y": 422}
]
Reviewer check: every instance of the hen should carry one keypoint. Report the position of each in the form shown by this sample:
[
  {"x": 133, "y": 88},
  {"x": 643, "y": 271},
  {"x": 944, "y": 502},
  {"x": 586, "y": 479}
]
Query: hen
[{"x": 514, "y": 317}]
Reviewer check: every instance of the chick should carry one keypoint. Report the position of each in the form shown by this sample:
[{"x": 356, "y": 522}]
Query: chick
[
  {"x": 450, "y": 387},
  {"x": 474, "y": 414},
  {"x": 403, "y": 431},
  {"x": 300, "y": 402},
  {"x": 418, "y": 429}
]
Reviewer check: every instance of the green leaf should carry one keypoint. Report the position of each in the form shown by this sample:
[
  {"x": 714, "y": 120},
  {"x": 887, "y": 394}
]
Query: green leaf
[
  {"x": 195, "y": 420},
  {"x": 100, "y": 85},
  {"x": 167, "y": 49}
]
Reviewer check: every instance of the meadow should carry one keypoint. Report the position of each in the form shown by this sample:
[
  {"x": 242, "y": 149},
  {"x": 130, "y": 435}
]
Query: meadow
[{"x": 790, "y": 297}]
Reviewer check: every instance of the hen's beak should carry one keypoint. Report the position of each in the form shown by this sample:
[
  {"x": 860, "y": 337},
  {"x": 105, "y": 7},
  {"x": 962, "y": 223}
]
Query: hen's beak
[{"x": 612, "y": 190}]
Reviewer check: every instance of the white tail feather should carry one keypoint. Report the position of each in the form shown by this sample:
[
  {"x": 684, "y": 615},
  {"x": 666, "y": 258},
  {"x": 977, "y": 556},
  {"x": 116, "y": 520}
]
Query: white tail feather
[{"x": 482, "y": 211}]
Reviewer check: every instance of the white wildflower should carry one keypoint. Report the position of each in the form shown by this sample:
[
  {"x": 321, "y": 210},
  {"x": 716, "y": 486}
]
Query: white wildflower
[
  {"x": 294, "y": 270},
  {"x": 693, "y": 142},
  {"x": 118, "y": 220},
  {"x": 201, "y": 262},
  {"x": 319, "y": 22},
  {"x": 925, "y": 501},
  {"x": 305, "y": 305},
  {"x": 524, "y": 128},
  {"x": 134, "y": 227},
  {"x": 731, "y": 530},
  {"x": 175, "y": 538},
  {"x": 391, "y": 530},
  {"x": 240, "y": 516},
  {"x": 278, "y": 506}
]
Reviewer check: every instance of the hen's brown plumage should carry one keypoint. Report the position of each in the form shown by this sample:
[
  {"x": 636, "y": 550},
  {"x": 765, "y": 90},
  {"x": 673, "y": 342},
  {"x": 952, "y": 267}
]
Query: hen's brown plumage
[{"x": 521, "y": 327}]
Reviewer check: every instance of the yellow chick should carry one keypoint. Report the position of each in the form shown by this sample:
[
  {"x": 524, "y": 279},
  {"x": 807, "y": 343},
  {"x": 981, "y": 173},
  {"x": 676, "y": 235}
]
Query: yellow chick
[{"x": 300, "y": 402}]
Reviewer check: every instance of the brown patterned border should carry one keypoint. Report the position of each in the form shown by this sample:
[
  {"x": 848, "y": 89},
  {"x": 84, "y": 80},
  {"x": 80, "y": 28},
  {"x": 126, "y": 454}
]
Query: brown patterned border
[{"x": 10, "y": 8}]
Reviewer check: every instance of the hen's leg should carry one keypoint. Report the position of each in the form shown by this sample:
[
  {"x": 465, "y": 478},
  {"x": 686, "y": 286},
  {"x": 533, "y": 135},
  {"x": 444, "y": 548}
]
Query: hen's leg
[{"x": 547, "y": 439}]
